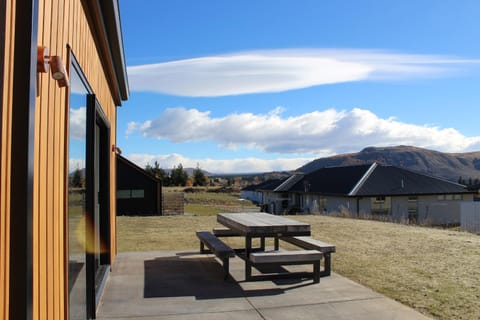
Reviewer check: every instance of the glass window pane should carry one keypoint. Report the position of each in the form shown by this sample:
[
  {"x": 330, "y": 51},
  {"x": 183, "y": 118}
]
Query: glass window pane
[
  {"x": 123, "y": 194},
  {"x": 139, "y": 193}
]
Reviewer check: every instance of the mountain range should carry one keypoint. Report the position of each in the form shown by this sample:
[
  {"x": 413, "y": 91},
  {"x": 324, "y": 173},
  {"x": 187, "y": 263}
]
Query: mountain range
[{"x": 450, "y": 166}]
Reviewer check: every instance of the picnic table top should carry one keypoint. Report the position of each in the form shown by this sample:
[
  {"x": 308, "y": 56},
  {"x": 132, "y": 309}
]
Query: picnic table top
[{"x": 263, "y": 224}]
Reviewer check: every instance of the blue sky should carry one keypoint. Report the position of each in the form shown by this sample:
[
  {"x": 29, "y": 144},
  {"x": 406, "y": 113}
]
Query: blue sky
[{"x": 252, "y": 86}]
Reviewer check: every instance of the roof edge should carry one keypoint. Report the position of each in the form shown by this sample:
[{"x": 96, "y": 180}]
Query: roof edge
[
  {"x": 138, "y": 168},
  {"x": 104, "y": 20}
]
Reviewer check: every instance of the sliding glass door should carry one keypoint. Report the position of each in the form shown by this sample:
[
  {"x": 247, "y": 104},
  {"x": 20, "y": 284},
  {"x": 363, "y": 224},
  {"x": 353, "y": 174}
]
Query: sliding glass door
[{"x": 88, "y": 198}]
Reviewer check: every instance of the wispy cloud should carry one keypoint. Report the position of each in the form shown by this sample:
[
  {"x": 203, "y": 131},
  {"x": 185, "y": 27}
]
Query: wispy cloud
[
  {"x": 244, "y": 165},
  {"x": 283, "y": 70},
  {"x": 316, "y": 133}
]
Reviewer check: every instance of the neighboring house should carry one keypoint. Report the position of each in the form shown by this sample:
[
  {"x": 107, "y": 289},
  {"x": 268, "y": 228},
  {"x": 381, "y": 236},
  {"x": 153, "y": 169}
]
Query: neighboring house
[
  {"x": 384, "y": 191},
  {"x": 62, "y": 76},
  {"x": 138, "y": 192},
  {"x": 264, "y": 195}
]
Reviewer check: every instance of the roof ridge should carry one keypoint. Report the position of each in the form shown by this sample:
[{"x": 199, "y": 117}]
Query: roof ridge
[{"x": 363, "y": 179}]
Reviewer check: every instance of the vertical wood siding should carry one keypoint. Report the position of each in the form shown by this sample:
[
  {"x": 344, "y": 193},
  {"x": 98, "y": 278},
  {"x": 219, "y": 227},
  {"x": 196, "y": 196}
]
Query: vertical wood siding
[
  {"x": 6, "y": 138},
  {"x": 61, "y": 23}
]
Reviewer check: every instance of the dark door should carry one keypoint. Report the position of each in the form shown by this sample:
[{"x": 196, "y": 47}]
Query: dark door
[{"x": 98, "y": 202}]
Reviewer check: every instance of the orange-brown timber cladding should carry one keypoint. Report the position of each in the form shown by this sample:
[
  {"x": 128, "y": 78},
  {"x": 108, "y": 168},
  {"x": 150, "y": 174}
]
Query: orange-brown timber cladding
[
  {"x": 6, "y": 139},
  {"x": 61, "y": 24}
]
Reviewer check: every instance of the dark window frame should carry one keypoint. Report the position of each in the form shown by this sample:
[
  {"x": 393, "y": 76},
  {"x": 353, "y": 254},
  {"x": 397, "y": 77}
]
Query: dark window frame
[{"x": 22, "y": 155}]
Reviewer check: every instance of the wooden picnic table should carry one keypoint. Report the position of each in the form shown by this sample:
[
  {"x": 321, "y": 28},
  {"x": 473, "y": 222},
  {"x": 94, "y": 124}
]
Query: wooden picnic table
[{"x": 261, "y": 225}]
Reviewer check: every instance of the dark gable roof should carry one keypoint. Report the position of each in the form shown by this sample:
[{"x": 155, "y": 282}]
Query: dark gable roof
[
  {"x": 371, "y": 180},
  {"x": 332, "y": 180},
  {"x": 391, "y": 180},
  {"x": 289, "y": 182},
  {"x": 268, "y": 185},
  {"x": 137, "y": 168}
]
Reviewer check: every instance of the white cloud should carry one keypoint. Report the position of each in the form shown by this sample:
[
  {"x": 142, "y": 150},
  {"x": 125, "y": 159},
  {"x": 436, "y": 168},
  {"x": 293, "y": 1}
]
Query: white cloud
[
  {"x": 246, "y": 165},
  {"x": 78, "y": 120},
  {"x": 282, "y": 70},
  {"x": 74, "y": 164},
  {"x": 316, "y": 133}
]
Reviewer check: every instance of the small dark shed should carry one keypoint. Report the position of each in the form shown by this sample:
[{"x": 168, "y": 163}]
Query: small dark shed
[{"x": 138, "y": 192}]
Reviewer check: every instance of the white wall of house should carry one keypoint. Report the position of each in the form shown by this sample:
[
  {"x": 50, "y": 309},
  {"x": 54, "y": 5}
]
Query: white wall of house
[
  {"x": 470, "y": 216},
  {"x": 254, "y": 196},
  {"x": 433, "y": 210}
]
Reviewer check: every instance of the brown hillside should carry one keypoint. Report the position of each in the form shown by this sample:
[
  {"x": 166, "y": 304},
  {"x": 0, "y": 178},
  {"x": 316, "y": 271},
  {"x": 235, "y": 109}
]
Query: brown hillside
[{"x": 447, "y": 165}]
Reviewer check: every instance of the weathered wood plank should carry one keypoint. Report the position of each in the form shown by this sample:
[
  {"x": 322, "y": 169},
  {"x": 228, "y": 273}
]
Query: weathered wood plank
[
  {"x": 279, "y": 257},
  {"x": 224, "y": 232},
  {"x": 310, "y": 243},
  {"x": 313, "y": 244},
  {"x": 262, "y": 224}
]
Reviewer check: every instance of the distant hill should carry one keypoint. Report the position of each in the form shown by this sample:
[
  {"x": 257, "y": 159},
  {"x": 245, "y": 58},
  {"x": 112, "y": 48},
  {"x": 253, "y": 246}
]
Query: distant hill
[{"x": 450, "y": 166}]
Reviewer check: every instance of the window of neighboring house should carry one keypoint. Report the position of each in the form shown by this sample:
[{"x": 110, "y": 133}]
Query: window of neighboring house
[
  {"x": 380, "y": 205},
  {"x": 380, "y": 199},
  {"x": 131, "y": 194},
  {"x": 449, "y": 197}
]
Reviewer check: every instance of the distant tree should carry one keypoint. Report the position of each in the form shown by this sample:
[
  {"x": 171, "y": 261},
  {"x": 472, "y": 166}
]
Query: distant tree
[
  {"x": 77, "y": 180},
  {"x": 158, "y": 173},
  {"x": 199, "y": 177},
  {"x": 178, "y": 176}
]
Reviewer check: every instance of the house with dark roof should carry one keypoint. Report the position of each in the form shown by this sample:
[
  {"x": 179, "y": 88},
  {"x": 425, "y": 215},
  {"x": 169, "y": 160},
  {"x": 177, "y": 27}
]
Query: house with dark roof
[
  {"x": 263, "y": 193},
  {"x": 138, "y": 192},
  {"x": 372, "y": 190}
]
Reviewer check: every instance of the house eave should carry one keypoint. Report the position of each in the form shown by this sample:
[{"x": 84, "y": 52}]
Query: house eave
[{"x": 104, "y": 21}]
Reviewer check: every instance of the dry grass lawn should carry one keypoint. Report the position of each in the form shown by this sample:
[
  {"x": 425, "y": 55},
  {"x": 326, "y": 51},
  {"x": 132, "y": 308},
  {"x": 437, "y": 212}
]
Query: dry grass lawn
[{"x": 434, "y": 271}]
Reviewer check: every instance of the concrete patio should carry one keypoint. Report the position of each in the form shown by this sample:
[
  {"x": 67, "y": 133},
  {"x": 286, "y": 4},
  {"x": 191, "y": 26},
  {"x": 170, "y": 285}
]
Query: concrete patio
[{"x": 187, "y": 285}]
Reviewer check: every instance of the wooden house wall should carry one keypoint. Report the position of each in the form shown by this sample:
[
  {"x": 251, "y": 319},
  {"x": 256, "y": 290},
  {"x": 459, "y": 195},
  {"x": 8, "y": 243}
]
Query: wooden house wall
[
  {"x": 62, "y": 24},
  {"x": 5, "y": 137}
]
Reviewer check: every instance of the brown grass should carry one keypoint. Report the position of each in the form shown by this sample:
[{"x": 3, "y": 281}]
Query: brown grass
[{"x": 434, "y": 271}]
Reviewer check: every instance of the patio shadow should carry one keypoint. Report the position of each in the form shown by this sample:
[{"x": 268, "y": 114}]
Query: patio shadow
[{"x": 195, "y": 275}]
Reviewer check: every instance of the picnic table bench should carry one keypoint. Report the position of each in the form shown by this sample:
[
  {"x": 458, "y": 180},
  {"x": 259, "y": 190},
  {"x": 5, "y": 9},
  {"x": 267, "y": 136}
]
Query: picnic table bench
[
  {"x": 313, "y": 244},
  {"x": 217, "y": 247},
  {"x": 297, "y": 257}
]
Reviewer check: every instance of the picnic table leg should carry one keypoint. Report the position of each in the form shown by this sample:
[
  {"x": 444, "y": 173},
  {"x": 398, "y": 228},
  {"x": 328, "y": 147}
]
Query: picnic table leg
[
  {"x": 225, "y": 268},
  {"x": 262, "y": 243},
  {"x": 248, "y": 265},
  {"x": 276, "y": 244},
  {"x": 327, "y": 265}
]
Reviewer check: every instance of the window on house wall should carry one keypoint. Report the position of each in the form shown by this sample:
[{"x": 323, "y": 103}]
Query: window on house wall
[
  {"x": 449, "y": 197},
  {"x": 380, "y": 205},
  {"x": 131, "y": 194},
  {"x": 380, "y": 199}
]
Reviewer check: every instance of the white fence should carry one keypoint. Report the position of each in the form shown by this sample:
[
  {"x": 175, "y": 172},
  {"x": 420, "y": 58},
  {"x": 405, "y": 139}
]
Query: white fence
[{"x": 470, "y": 216}]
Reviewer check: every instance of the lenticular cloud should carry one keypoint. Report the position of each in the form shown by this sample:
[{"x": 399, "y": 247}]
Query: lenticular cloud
[
  {"x": 234, "y": 75},
  {"x": 280, "y": 70}
]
